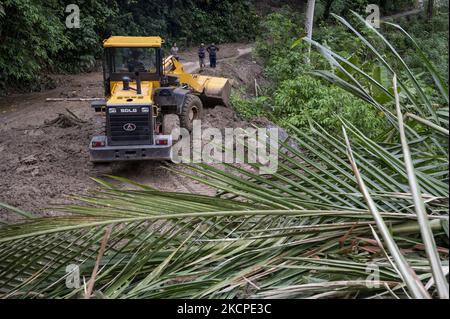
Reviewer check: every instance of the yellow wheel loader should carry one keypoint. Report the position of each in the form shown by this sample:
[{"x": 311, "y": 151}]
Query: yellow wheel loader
[{"x": 146, "y": 97}]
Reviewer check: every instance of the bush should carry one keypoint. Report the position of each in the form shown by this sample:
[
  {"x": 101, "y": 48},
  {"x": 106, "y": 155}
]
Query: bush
[
  {"x": 31, "y": 35},
  {"x": 305, "y": 98},
  {"x": 277, "y": 33},
  {"x": 433, "y": 38},
  {"x": 252, "y": 107}
]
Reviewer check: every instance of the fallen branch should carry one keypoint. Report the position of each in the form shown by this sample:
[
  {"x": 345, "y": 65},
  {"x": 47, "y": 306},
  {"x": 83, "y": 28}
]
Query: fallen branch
[
  {"x": 64, "y": 120},
  {"x": 74, "y": 116},
  {"x": 91, "y": 282},
  {"x": 73, "y": 99}
]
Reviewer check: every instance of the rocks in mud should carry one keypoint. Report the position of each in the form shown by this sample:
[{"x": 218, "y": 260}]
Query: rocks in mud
[
  {"x": 69, "y": 94},
  {"x": 29, "y": 165},
  {"x": 29, "y": 160},
  {"x": 49, "y": 157},
  {"x": 222, "y": 117},
  {"x": 33, "y": 170},
  {"x": 283, "y": 135}
]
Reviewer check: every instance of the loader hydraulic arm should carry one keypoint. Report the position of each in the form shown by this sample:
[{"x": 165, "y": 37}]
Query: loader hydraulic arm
[
  {"x": 215, "y": 89},
  {"x": 174, "y": 67}
]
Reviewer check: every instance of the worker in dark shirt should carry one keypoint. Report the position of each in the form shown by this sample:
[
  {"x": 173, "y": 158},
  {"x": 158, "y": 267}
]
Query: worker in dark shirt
[{"x": 212, "y": 50}]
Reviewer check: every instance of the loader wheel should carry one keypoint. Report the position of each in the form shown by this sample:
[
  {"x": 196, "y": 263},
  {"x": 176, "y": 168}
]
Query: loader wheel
[
  {"x": 170, "y": 122},
  {"x": 192, "y": 110}
]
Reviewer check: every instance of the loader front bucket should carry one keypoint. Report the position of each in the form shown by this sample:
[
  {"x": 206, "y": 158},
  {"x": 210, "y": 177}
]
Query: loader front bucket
[{"x": 216, "y": 91}]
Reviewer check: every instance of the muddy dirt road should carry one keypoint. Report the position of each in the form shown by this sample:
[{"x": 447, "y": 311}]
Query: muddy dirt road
[{"x": 42, "y": 160}]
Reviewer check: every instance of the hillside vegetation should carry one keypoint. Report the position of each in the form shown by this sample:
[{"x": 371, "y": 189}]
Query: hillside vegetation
[
  {"x": 35, "y": 40},
  {"x": 296, "y": 96}
]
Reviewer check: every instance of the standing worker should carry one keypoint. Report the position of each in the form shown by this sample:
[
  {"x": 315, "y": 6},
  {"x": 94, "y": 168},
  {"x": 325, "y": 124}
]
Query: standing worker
[
  {"x": 212, "y": 50},
  {"x": 202, "y": 55},
  {"x": 174, "y": 51}
]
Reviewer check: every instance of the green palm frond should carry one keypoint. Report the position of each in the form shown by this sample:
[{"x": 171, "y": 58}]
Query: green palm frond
[{"x": 182, "y": 245}]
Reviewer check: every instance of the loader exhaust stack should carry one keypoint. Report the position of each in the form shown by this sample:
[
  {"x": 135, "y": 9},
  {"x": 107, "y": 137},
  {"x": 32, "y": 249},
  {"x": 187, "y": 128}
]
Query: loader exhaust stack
[{"x": 138, "y": 83}]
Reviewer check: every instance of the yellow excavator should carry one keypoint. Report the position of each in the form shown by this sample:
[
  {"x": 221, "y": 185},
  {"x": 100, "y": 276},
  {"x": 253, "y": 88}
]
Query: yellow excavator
[{"x": 146, "y": 97}]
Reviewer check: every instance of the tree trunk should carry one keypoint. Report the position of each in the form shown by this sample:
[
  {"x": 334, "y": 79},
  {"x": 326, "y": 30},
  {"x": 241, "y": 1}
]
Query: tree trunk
[
  {"x": 383, "y": 4},
  {"x": 310, "y": 18},
  {"x": 328, "y": 5},
  {"x": 309, "y": 24},
  {"x": 430, "y": 9}
]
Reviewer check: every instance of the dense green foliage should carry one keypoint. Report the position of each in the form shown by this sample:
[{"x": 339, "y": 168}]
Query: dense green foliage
[
  {"x": 433, "y": 36},
  {"x": 35, "y": 40},
  {"x": 296, "y": 96},
  {"x": 302, "y": 99}
]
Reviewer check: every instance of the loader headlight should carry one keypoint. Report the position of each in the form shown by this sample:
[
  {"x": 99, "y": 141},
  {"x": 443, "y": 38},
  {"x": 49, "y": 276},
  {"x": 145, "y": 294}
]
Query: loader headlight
[
  {"x": 145, "y": 110},
  {"x": 111, "y": 110}
]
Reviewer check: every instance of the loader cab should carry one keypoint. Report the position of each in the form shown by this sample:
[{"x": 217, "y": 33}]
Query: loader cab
[{"x": 124, "y": 57}]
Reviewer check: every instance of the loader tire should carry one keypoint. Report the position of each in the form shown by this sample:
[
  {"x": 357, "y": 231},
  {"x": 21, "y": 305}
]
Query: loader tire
[
  {"x": 192, "y": 110},
  {"x": 170, "y": 122}
]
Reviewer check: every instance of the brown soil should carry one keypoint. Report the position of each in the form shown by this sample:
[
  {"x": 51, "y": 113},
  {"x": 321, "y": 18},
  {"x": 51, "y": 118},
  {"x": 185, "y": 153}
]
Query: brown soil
[
  {"x": 225, "y": 51},
  {"x": 43, "y": 150}
]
